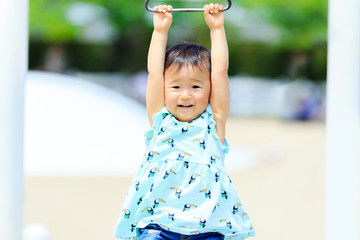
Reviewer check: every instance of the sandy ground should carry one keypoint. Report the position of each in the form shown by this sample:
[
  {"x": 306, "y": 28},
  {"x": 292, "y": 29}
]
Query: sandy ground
[{"x": 284, "y": 194}]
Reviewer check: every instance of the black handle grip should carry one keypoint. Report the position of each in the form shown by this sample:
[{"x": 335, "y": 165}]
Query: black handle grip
[{"x": 227, "y": 7}]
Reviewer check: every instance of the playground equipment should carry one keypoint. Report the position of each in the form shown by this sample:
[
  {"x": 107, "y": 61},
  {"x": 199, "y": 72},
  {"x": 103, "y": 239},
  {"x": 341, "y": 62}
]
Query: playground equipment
[
  {"x": 342, "y": 179},
  {"x": 342, "y": 149},
  {"x": 227, "y": 7},
  {"x": 13, "y": 68}
]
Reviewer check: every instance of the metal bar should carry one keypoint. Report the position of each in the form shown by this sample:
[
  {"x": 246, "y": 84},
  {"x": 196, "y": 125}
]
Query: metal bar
[
  {"x": 227, "y": 7},
  {"x": 13, "y": 69},
  {"x": 342, "y": 121}
]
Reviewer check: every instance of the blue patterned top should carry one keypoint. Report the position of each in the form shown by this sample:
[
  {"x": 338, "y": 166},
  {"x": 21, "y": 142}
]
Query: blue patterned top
[{"x": 182, "y": 185}]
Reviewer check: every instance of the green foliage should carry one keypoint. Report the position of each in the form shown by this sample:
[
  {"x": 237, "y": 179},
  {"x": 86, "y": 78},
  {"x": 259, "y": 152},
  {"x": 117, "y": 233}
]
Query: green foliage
[
  {"x": 303, "y": 23},
  {"x": 301, "y": 26},
  {"x": 48, "y": 22}
]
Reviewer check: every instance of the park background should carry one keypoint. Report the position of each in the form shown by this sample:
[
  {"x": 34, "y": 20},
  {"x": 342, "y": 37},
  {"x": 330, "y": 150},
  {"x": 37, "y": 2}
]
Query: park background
[{"x": 277, "y": 52}]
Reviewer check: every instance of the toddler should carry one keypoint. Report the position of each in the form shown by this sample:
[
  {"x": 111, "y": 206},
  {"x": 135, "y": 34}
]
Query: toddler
[{"x": 181, "y": 190}]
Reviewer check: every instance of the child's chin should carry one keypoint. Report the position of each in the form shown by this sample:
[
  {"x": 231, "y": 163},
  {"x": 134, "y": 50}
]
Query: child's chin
[{"x": 184, "y": 119}]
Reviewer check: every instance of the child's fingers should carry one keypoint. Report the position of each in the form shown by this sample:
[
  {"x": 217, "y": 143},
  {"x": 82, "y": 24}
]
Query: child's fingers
[
  {"x": 168, "y": 14},
  {"x": 165, "y": 8},
  {"x": 206, "y": 9},
  {"x": 216, "y": 8},
  {"x": 160, "y": 8},
  {"x": 211, "y": 7}
]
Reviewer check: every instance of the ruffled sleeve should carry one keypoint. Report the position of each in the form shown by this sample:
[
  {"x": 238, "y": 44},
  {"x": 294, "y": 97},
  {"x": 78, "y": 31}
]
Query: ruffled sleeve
[
  {"x": 157, "y": 119},
  {"x": 211, "y": 124}
]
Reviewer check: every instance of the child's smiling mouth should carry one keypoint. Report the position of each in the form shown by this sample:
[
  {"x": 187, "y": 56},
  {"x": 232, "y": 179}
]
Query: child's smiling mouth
[{"x": 185, "y": 106}]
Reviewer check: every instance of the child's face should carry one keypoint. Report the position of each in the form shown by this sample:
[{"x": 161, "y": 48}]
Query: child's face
[{"x": 187, "y": 91}]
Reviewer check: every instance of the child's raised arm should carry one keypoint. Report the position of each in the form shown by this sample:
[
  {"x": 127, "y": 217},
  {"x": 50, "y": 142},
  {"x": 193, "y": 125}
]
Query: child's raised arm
[
  {"x": 220, "y": 93},
  {"x": 156, "y": 58}
]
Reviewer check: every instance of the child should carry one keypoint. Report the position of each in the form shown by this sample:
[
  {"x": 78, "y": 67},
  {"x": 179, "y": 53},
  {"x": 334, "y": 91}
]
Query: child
[{"x": 181, "y": 190}]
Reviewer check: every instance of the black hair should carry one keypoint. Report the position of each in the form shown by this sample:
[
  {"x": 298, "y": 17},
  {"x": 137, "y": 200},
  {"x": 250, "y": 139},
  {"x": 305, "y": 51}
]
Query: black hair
[{"x": 188, "y": 54}]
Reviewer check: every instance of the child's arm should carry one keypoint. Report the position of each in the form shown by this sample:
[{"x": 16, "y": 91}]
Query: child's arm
[
  {"x": 220, "y": 93},
  {"x": 156, "y": 58}
]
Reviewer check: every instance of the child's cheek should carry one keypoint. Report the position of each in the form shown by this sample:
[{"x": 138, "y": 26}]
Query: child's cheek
[
  {"x": 170, "y": 98},
  {"x": 203, "y": 100}
]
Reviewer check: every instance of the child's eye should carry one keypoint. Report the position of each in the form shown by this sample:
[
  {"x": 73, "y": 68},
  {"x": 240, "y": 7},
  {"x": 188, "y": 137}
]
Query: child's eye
[
  {"x": 195, "y": 86},
  {"x": 176, "y": 87}
]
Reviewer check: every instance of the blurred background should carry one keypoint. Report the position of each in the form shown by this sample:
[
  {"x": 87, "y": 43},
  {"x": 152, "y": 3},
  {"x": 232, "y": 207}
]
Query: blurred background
[
  {"x": 85, "y": 99},
  {"x": 271, "y": 43}
]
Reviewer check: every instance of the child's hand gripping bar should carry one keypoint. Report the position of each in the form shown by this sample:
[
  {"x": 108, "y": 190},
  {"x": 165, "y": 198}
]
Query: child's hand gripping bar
[{"x": 186, "y": 9}]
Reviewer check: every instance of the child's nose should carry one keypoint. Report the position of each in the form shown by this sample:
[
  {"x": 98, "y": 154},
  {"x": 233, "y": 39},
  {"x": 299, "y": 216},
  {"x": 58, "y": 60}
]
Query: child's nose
[{"x": 185, "y": 94}]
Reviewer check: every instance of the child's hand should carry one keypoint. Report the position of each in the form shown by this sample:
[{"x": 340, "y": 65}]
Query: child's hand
[
  {"x": 163, "y": 19},
  {"x": 214, "y": 19}
]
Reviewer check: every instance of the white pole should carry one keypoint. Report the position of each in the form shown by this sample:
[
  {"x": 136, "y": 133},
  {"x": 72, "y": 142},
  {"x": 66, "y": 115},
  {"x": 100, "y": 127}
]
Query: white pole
[
  {"x": 343, "y": 131},
  {"x": 13, "y": 68}
]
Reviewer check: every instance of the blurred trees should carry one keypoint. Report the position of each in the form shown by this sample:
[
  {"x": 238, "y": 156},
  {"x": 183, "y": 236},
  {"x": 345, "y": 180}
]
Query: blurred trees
[{"x": 270, "y": 38}]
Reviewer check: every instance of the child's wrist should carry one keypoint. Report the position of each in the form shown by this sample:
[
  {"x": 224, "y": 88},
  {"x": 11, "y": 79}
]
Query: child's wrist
[
  {"x": 161, "y": 31},
  {"x": 217, "y": 28}
]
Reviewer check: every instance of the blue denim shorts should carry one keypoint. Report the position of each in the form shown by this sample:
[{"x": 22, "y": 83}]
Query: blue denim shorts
[{"x": 155, "y": 232}]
